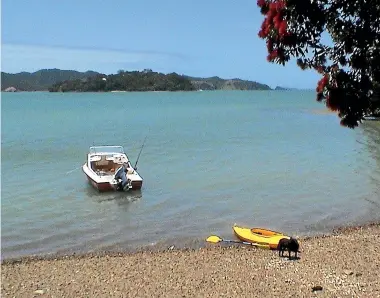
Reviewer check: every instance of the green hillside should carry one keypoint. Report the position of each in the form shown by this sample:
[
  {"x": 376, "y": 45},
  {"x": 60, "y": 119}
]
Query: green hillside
[
  {"x": 216, "y": 83},
  {"x": 40, "y": 80},
  {"x": 146, "y": 80},
  {"x": 57, "y": 80}
]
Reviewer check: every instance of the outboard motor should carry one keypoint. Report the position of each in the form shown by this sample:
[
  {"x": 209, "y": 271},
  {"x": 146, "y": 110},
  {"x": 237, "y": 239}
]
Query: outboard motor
[{"x": 121, "y": 176}]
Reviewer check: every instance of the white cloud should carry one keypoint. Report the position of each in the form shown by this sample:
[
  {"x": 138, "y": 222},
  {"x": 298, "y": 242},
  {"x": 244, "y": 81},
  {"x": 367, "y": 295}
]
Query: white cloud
[{"x": 16, "y": 58}]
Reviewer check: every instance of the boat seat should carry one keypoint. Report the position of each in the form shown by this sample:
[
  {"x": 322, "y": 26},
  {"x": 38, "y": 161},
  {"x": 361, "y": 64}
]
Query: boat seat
[{"x": 102, "y": 162}]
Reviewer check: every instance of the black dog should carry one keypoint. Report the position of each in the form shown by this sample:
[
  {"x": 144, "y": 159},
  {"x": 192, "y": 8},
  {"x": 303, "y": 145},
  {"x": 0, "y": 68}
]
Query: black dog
[{"x": 291, "y": 245}]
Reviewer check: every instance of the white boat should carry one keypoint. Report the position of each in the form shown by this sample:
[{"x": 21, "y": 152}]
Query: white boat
[{"x": 108, "y": 168}]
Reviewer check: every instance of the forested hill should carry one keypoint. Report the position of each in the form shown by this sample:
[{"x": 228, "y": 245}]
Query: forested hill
[
  {"x": 126, "y": 81},
  {"x": 216, "y": 83},
  {"x": 40, "y": 80},
  {"x": 146, "y": 80}
]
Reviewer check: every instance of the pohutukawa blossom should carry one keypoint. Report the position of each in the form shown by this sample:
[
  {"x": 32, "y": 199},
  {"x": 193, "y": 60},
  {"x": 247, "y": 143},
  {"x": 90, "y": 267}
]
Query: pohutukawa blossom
[
  {"x": 277, "y": 20},
  {"x": 282, "y": 28},
  {"x": 260, "y": 3},
  {"x": 293, "y": 28}
]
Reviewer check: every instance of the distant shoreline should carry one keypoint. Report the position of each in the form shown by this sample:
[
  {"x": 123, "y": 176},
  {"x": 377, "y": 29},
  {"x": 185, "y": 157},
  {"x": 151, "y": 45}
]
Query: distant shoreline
[
  {"x": 124, "y": 91},
  {"x": 146, "y": 80}
]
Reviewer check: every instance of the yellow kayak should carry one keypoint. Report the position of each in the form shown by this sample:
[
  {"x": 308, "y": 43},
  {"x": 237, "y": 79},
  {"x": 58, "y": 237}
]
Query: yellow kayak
[{"x": 258, "y": 235}]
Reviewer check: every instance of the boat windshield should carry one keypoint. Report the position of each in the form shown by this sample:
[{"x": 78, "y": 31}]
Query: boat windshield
[{"x": 107, "y": 149}]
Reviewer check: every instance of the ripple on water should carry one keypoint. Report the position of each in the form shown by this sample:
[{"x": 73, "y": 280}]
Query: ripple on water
[{"x": 211, "y": 160}]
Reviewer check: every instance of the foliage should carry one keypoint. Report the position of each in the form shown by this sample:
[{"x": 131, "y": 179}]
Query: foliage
[
  {"x": 146, "y": 80},
  {"x": 350, "y": 67}
]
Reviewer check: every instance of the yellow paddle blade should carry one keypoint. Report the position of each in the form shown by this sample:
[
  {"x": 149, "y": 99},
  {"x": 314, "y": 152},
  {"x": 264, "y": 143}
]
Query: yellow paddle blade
[
  {"x": 263, "y": 246},
  {"x": 214, "y": 239}
]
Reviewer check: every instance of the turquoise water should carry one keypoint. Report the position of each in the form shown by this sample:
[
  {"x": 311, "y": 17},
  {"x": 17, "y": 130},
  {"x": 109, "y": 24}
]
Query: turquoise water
[{"x": 211, "y": 159}]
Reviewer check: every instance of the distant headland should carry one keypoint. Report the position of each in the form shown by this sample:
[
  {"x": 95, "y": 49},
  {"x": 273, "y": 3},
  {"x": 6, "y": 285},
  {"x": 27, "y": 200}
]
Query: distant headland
[{"x": 57, "y": 80}]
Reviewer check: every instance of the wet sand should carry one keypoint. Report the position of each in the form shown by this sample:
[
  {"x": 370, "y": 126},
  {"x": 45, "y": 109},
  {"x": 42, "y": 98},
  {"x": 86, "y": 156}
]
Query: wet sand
[{"x": 343, "y": 264}]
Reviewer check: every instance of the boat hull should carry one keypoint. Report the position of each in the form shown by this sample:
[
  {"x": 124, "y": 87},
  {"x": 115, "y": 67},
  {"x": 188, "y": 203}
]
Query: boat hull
[
  {"x": 258, "y": 235},
  {"x": 103, "y": 186},
  {"x": 106, "y": 186},
  {"x": 136, "y": 185}
]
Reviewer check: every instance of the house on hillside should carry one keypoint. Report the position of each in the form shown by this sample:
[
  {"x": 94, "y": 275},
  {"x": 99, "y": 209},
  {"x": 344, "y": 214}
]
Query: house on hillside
[{"x": 10, "y": 89}]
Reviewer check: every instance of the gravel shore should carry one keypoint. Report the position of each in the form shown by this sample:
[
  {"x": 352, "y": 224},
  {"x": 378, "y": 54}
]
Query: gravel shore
[{"x": 344, "y": 264}]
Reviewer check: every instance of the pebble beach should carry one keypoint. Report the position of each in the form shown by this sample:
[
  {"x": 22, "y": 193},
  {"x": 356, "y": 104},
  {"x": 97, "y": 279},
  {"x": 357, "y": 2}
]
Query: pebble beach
[{"x": 345, "y": 263}]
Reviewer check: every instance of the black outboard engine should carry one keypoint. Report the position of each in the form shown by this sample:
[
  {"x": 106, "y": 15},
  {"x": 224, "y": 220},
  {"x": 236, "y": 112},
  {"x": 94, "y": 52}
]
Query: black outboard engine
[{"x": 121, "y": 176}]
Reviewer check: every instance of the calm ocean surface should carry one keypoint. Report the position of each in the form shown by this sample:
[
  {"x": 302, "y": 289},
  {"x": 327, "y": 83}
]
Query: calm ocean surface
[{"x": 211, "y": 159}]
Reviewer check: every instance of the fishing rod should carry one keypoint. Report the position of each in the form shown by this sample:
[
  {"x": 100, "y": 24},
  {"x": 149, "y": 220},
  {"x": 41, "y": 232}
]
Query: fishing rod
[{"x": 138, "y": 157}]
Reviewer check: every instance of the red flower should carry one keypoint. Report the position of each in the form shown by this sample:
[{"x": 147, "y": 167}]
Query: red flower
[
  {"x": 322, "y": 83},
  {"x": 277, "y": 21},
  {"x": 261, "y": 34},
  {"x": 273, "y": 6},
  {"x": 277, "y": 5},
  {"x": 325, "y": 79},
  {"x": 265, "y": 27},
  {"x": 260, "y": 3},
  {"x": 266, "y": 24},
  {"x": 263, "y": 24},
  {"x": 272, "y": 55},
  {"x": 283, "y": 27},
  {"x": 271, "y": 14},
  {"x": 281, "y": 4}
]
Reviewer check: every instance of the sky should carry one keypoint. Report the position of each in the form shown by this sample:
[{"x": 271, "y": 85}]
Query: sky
[{"x": 196, "y": 38}]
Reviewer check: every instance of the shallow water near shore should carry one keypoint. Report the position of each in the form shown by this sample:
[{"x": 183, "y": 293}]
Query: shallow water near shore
[{"x": 211, "y": 159}]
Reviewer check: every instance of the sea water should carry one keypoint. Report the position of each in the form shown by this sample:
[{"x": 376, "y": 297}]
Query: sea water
[{"x": 267, "y": 159}]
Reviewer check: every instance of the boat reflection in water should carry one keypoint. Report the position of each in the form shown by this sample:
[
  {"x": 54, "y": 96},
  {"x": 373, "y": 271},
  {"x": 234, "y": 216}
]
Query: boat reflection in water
[{"x": 121, "y": 198}]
